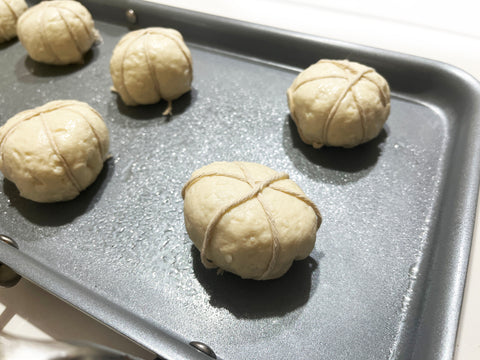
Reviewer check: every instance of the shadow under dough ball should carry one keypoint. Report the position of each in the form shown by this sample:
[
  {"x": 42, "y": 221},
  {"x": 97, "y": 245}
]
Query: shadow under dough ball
[
  {"x": 57, "y": 32},
  {"x": 53, "y": 152},
  {"x": 339, "y": 103},
  {"x": 248, "y": 219},
  {"x": 10, "y": 10},
  {"x": 151, "y": 64}
]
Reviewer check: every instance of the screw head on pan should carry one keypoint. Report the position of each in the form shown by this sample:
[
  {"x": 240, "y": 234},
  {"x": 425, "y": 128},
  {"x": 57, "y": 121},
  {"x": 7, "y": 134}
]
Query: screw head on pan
[
  {"x": 131, "y": 16},
  {"x": 203, "y": 348}
]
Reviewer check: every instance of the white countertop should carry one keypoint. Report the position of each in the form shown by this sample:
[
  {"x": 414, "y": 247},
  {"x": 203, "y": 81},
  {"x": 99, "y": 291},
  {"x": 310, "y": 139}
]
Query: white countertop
[{"x": 426, "y": 28}]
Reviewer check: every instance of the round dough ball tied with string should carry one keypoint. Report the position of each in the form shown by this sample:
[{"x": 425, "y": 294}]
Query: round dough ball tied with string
[
  {"x": 53, "y": 152},
  {"x": 339, "y": 103},
  {"x": 248, "y": 219},
  {"x": 57, "y": 32},
  {"x": 150, "y": 65},
  {"x": 10, "y": 10}
]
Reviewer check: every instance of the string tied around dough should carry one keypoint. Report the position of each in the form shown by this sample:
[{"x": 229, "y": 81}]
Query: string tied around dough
[
  {"x": 257, "y": 189},
  {"x": 224, "y": 210}
]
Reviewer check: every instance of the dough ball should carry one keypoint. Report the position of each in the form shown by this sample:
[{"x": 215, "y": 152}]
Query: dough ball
[
  {"x": 10, "y": 10},
  {"x": 248, "y": 219},
  {"x": 54, "y": 151},
  {"x": 339, "y": 103},
  {"x": 151, "y": 64},
  {"x": 57, "y": 32}
]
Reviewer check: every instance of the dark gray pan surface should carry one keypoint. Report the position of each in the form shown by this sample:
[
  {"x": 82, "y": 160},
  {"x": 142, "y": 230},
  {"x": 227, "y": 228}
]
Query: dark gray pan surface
[{"x": 386, "y": 277}]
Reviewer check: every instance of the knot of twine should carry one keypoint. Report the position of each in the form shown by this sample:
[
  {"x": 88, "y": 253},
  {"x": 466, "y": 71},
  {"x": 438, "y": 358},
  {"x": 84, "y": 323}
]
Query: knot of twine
[{"x": 257, "y": 189}]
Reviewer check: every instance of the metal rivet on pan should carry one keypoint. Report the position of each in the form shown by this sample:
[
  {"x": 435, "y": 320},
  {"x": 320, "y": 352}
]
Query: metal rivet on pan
[
  {"x": 8, "y": 277},
  {"x": 8, "y": 240},
  {"x": 131, "y": 16},
  {"x": 203, "y": 348}
]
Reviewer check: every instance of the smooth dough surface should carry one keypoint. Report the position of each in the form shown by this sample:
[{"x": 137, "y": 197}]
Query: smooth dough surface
[
  {"x": 10, "y": 11},
  {"x": 54, "y": 151},
  {"x": 248, "y": 219},
  {"x": 151, "y": 64},
  {"x": 57, "y": 32},
  {"x": 339, "y": 103}
]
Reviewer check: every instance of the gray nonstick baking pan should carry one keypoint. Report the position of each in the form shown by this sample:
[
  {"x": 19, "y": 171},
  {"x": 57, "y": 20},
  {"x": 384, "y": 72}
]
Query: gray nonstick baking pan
[{"x": 386, "y": 277}]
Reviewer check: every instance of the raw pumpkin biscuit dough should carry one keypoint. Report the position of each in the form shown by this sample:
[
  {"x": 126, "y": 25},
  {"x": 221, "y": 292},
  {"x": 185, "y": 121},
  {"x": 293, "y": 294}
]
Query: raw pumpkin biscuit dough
[
  {"x": 151, "y": 64},
  {"x": 248, "y": 219},
  {"x": 54, "y": 151},
  {"x": 339, "y": 103},
  {"x": 10, "y": 10},
  {"x": 57, "y": 32}
]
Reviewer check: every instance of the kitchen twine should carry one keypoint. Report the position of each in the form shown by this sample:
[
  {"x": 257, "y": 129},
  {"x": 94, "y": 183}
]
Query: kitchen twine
[
  {"x": 352, "y": 80},
  {"x": 56, "y": 150},
  {"x": 257, "y": 188}
]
